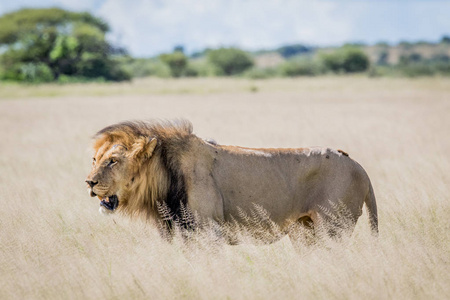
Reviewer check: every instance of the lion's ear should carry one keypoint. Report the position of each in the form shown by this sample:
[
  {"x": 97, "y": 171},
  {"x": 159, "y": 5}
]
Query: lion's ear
[
  {"x": 150, "y": 147},
  {"x": 143, "y": 147}
]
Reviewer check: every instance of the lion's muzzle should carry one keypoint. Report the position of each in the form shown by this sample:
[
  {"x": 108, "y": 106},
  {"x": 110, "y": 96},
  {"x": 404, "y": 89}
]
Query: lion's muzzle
[{"x": 91, "y": 185}]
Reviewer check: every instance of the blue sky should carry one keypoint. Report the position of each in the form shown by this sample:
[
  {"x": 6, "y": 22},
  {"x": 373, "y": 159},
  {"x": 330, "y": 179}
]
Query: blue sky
[{"x": 150, "y": 27}]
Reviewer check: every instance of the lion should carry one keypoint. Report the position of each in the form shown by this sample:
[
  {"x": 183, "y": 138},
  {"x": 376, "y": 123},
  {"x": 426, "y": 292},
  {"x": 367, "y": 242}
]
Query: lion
[{"x": 138, "y": 166}]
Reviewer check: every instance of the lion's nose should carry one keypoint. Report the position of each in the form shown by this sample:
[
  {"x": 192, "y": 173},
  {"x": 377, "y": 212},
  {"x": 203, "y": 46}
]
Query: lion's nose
[{"x": 91, "y": 183}]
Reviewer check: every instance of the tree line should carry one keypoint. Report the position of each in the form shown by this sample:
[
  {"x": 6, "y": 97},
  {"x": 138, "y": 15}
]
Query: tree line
[{"x": 52, "y": 44}]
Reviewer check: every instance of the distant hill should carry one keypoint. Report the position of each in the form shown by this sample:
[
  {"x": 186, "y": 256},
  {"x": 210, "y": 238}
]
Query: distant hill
[
  {"x": 409, "y": 59},
  {"x": 379, "y": 54},
  {"x": 382, "y": 53}
]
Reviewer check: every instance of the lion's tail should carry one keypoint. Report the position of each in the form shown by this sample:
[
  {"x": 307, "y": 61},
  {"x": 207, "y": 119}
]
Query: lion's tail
[{"x": 371, "y": 206}]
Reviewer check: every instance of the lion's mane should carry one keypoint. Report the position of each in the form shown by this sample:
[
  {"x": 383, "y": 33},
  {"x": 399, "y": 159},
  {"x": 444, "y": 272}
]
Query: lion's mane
[{"x": 157, "y": 182}]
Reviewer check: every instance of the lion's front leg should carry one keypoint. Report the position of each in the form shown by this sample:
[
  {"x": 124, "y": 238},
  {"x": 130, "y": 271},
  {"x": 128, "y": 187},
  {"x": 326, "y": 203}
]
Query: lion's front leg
[{"x": 205, "y": 200}]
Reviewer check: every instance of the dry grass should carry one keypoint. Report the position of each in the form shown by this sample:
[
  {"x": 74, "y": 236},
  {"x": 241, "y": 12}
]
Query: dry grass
[
  {"x": 54, "y": 244},
  {"x": 208, "y": 86}
]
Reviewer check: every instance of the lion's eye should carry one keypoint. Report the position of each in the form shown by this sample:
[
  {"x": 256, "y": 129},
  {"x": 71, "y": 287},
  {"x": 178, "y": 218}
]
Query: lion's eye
[{"x": 112, "y": 162}]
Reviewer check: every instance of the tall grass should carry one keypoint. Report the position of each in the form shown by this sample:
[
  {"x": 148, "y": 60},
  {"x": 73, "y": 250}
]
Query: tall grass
[{"x": 55, "y": 245}]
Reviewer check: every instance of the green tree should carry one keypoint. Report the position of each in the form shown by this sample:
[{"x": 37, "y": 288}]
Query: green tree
[
  {"x": 383, "y": 58},
  {"x": 410, "y": 58},
  {"x": 346, "y": 59},
  {"x": 292, "y": 50},
  {"x": 445, "y": 39},
  {"x": 57, "y": 41},
  {"x": 176, "y": 61},
  {"x": 301, "y": 67},
  {"x": 230, "y": 61}
]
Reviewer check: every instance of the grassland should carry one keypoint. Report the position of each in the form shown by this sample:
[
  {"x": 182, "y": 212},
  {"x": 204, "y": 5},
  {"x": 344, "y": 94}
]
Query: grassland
[{"x": 55, "y": 245}]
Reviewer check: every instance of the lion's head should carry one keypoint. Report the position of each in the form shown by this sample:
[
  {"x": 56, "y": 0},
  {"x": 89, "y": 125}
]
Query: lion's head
[
  {"x": 129, "y": 171},
  {"x": 114, "y": 168}
]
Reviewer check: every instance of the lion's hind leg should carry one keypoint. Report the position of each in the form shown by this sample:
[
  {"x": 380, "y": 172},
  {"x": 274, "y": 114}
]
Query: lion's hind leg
[
  {"x": 336, "y": 224},
  {"x": 302, "y": 232}
]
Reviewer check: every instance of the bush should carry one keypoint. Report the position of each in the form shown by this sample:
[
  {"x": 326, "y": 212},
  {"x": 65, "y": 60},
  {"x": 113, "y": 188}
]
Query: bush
[
  {"x": 416, "y": 70},
  {"x": 301, "y": 67},
  {"x": 230, "y": 61},
  {"x": 144, "y": 67},
  {"x": 190, "y": 71},
  {"x": 414, "y": 65},
  {"x": 383, "y": 58},
  {"x": 79, "y": 79},
  {"x": 176, "y": 61},
  {"x": 345, "y": 60},
  {"x": 36, "y": 72},
  {"x": 95, "y": 67},
  {"x": 28, "y": 72},
  {"x": 204, "y": 68},
  {"x": 410, "y": 58},
  {"x": 293, "y": 50},
  {"x": 445, "y": 39}
]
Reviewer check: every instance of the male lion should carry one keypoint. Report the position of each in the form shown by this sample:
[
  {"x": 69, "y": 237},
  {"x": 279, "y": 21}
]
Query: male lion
[{"x": 139, "y": 166}]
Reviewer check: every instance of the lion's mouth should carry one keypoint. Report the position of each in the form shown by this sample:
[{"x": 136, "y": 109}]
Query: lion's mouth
[{"x": 110, "y": 202}]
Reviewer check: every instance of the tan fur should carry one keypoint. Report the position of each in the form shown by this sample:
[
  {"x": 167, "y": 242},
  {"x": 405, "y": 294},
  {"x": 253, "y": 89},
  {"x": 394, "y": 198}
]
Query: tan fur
[
  {"x": 132, "y": 181},
  {"x": 222, "y": 182}
]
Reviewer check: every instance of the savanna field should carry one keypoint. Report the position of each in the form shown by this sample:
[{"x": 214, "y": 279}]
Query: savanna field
[{"x": 55, "y": 245}]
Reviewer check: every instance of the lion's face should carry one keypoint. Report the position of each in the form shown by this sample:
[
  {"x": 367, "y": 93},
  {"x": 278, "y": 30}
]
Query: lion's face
[
  {"x": 113, "y": 169},
  {"x": 110, "y": 177}
]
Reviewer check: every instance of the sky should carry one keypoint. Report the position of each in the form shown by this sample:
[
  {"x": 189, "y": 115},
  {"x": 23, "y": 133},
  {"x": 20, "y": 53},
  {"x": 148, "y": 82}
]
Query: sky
[{"x": 150, "y": 27}]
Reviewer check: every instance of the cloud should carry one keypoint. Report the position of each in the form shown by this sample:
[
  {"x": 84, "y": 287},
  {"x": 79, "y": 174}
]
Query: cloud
[{"x": 149, "y": 27}]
